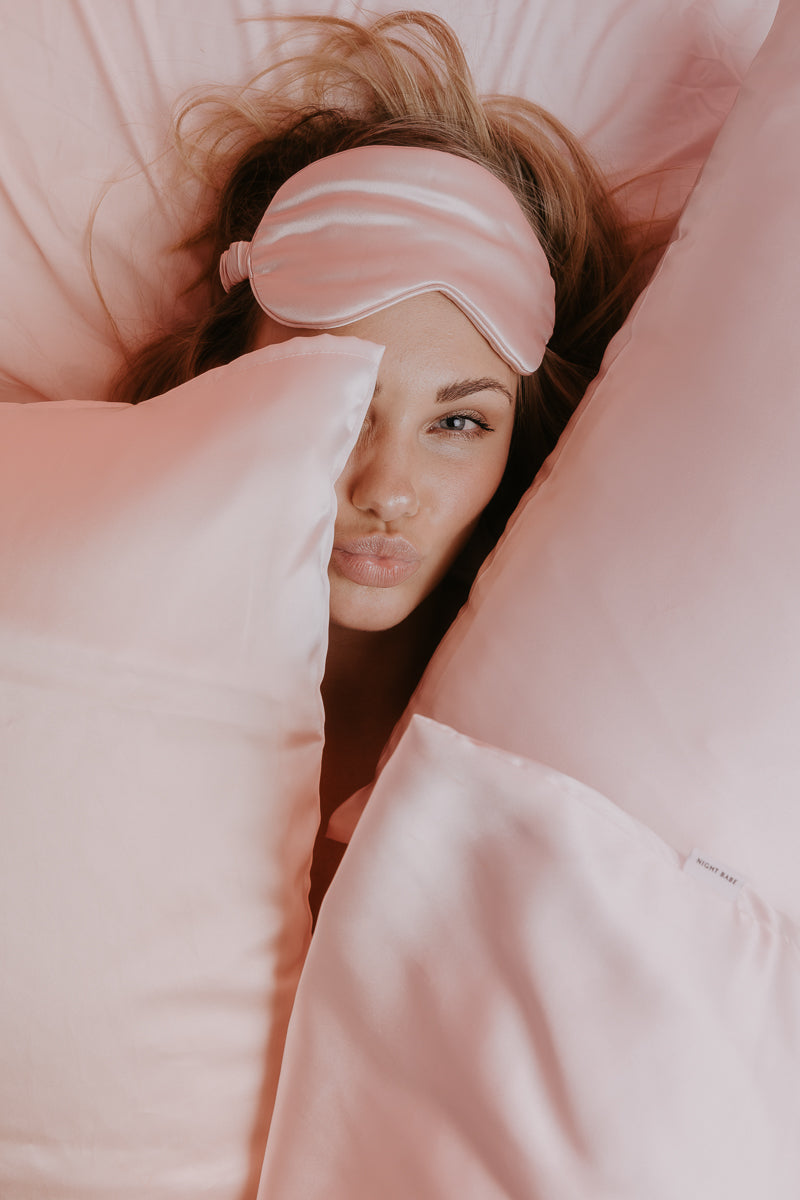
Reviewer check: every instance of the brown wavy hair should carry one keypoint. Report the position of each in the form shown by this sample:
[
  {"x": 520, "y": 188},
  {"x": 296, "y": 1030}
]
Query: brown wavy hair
[{"x": 403, "y": 80}]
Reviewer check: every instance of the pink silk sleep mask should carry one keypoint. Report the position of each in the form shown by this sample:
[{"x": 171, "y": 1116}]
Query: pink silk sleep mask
[{"x": 353, "y": 233}]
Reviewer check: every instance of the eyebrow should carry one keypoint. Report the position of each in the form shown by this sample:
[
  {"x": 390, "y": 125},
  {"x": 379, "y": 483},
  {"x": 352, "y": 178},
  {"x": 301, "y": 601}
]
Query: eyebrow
[
  {"x": 453, "y": 392},
  {"x": 465, "y": 387}
]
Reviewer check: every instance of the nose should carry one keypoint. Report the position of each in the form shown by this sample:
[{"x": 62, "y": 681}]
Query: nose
[{"x": 380, "y": 478}]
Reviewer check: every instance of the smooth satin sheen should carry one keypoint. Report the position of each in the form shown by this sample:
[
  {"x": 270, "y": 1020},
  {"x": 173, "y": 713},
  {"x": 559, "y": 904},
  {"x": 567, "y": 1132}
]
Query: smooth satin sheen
[
  {"x": 163, "y": 617},
  {"x": 515, "y": 991},
  {"x": 353, "y": 233}
]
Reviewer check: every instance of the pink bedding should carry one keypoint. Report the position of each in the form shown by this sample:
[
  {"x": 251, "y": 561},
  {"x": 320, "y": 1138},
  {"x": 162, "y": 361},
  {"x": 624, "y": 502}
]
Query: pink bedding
[{"x": 515, "y": 989}]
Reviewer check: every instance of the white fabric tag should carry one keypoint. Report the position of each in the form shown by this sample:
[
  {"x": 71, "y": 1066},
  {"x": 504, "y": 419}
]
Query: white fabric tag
[{"x": 727, "y": 882}]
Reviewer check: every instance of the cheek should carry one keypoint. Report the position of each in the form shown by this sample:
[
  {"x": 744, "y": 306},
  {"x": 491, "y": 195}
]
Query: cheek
[{"x": 466, "y": 490}]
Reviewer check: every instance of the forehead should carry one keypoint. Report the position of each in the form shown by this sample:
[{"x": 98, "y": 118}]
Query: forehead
[{"x": 422, "y": 333}]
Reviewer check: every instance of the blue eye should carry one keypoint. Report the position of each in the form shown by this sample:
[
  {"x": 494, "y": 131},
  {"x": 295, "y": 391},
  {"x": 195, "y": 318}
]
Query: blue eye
[{"x": 470, "y": 424}]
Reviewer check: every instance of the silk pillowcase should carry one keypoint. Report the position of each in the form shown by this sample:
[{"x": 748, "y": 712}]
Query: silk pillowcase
[
  {"x": 163, "y": 625},
  {"x": 647, "y": 84},
  {"x": 638, "y": 628},
  {"x": 515, "y": 989}
]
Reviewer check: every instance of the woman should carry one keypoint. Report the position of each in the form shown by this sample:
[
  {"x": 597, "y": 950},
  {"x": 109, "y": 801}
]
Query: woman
[{"x": 373, "y": 193}]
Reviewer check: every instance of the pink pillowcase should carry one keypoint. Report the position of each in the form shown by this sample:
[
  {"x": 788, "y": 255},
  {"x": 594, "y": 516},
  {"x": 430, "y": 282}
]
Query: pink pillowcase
[
  {"x": 638, "y": 628},
  {"x": 515, "y": 990},
  {"x": 163, "y": 629},
  {"x": 87, "y": 88}
]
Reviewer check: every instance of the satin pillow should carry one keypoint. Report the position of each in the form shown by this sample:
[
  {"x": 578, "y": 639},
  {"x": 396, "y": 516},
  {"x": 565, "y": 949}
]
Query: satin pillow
[
  {"x": 163, "y": 626},
  {"x": 639, "y": 626},
  {"x": 515, "y": 989},
  {"x": 87, "y": 88}
]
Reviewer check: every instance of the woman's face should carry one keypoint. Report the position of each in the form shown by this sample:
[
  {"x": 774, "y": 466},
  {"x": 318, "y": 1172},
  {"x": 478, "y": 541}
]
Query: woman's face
[{"x": 430, "y": 455}]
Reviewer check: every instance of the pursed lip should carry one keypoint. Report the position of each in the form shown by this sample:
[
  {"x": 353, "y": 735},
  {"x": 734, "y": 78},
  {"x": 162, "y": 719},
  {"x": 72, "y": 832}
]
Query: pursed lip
[{"x": 375, "y": 560}]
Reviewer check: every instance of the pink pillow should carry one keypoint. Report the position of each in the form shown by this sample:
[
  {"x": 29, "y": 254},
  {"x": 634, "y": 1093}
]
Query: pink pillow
[
  {"x": 87, "y": 88},
  {"x": 163, "y": 627},
  {"x": 516, "y": 990},
  {"x": 639, "y": 626}
]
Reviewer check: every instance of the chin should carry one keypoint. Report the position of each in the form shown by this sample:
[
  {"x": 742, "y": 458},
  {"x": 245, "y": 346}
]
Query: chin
[
  {"x": 366, "y": 619},
  {"x": 370, "y": 610}
]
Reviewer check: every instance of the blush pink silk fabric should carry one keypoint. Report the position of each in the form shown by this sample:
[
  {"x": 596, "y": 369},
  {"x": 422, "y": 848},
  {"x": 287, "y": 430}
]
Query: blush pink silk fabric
[
  {"x": 639, "y": 625},
  {"x": 163, "y": 620},
  {"x": 646, "y": 84},
  {"x": 516, "y": 991},
  {"x": 353, "y": 233}
]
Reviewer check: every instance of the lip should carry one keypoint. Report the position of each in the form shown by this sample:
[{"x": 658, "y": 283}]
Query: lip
[{"x": 375, "y": 560}]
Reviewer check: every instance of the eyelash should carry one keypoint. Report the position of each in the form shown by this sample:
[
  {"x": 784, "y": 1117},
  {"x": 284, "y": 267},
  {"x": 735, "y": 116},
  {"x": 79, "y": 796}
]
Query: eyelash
[{"x": 481, "y": 426}]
